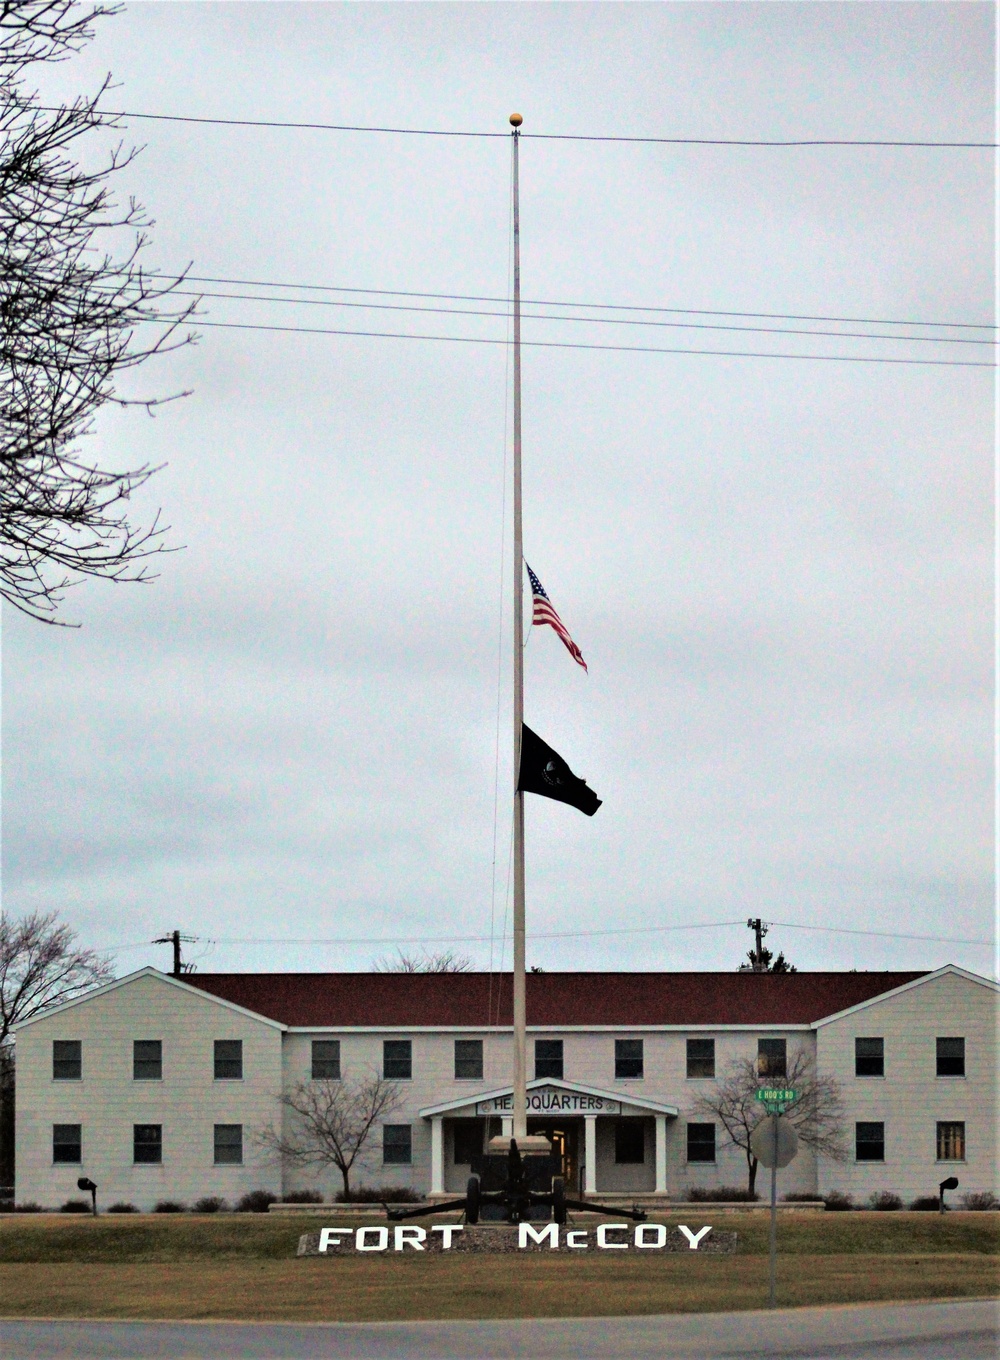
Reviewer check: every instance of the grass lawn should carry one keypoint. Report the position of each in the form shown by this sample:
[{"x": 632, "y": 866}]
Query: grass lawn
[{"x": 244, "y": 1267}]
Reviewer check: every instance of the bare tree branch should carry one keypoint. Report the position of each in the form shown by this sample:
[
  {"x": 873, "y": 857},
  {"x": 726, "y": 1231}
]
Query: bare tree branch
[
  {"x": 447, "y": 961},
  {"x": 332, "y": 1122},
  {"x": 41, "y": 965},
  {"x": 817, "y": 1114},
  {"x": 75, "y": 315}
]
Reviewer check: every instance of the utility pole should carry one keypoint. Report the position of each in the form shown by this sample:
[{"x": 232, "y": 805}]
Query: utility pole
[
  {"x": 175, "y": 937},
  {"x": 759, "y": 929}
]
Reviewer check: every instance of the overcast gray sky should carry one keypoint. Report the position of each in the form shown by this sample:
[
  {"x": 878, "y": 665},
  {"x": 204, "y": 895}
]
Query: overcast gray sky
[{"x": 779, "y": 571}]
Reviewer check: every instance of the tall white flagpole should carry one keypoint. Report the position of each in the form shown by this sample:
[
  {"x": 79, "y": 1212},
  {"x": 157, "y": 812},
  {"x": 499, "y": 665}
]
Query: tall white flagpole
[{"x": 520, "y": 1101}]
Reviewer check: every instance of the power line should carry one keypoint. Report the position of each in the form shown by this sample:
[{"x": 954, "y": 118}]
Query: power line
[
  {"x": 600, "y": 306},
  {"x": 584, "y": 320},
  {"x": 567, "y": 935},
  {"x": 536, "y": 136},
  {"x": 571, "y": 344}
]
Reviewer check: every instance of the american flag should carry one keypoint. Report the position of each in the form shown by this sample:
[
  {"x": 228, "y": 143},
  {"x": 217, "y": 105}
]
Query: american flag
[{"x": 542, "y": 612}]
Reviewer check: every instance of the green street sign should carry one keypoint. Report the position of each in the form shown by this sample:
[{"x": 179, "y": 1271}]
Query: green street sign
[{"x": 776, "y": 1099}]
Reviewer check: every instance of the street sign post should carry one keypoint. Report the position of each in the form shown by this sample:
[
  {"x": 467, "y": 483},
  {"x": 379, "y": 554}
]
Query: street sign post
[
  {"x": 774, "y": 1143},
  {"x": 776, "y": 1099}
]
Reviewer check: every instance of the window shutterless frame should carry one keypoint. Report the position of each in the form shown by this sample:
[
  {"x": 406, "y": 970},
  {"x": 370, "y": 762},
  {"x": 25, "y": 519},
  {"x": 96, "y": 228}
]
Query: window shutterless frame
[
  {"x": 869, "y": 1057},
  {"x": 228, "y": 1144},
  {"x": 468, "y": 1059},
  {"x": 700, "y": 1058},
  {"x": 397, "y": 1147},
  {"x": 228, "y": 1059},
  {"x": 67, "y": 1144},
  {"x": 549, "y": 1058},
  {"x": 325, "y": 1060},
  {"x": 67, "y": 1060},
  {"x": 147, "y": 1060},
  {"x": 628, "y": 1060},
  {"x": 397, "y": 1059},
  {"x": 147, "y": 1144},
  {"x": 950, "y": 1057},
  {"x": 701, "y": 1142},
  {"x": 869, "y": 1141}
]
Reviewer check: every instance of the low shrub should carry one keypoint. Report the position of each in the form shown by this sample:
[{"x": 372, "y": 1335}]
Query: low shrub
[
  {"x": 75, "y": 1206},
  {"x": 209, "y": 1204},
  {"x": 169, "y": 1206},
  {"x": 699, "y": 1194},
  {"x": 926, "y": 1204},
  {"x": 980, "y": 1199},
  {"x": 837, "y": 1202},
  {"x": 29, "y": 1207},
  {"x": 802, "y": 1197},
  {"x": 256, "y": 1202},
  {"x": 303, "y": 1197},
  {"x": 885, "y": 1201},
  {"x": 380, "y": 1194},
  {"x": 121, "y": 1206}
]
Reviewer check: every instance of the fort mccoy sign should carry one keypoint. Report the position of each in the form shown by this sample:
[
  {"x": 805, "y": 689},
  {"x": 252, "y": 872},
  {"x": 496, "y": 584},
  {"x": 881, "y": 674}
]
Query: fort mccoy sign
[{"x": 509, "y": 1238}]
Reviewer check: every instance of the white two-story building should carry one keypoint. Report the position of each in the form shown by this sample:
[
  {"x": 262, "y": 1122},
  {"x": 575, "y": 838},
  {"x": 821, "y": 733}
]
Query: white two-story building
[{"x": 158, "y": 1087}]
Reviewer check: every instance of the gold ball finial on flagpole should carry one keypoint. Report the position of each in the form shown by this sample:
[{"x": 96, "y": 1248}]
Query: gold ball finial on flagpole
[{"x": 516, "y": 120}]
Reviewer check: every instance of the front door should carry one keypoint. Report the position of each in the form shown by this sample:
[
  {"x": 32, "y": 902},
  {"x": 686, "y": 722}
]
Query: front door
[{"x": 563, "y": 1135}]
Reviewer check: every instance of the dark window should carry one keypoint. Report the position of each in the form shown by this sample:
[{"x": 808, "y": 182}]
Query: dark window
[
  {"x": 147, "y": 1143},
  {"x": 701, "y": 1142},
  {"x": 628, "y": 1059},
  {"x": 630, "y": 1141},
  {"x": 396, "y": 1145},
  {"x": 468, "y": 1059},
  {"x": 228, "y": 1059},
  {"x": 701, "y": 1057},
  {"x": 147, "y": 1060},
  {"x": 397, "y": 1061},
  {"x": 228, "y": 1144},
  {"x": 67, "y": 1060},
  {"x": 326, "y": 1059},
  {"x": 67, "y": 1142},
  {"x": 869, "y": 1057},
  {"x": 869, "y": 1142},
  {"x": 771, "y": 1058},
  {"x": 951, "y": 1057},
  {"x": 548, "y": 1058},
  {"x": 468, "y": 1140},
  {"x": 951, "y": 1142}
]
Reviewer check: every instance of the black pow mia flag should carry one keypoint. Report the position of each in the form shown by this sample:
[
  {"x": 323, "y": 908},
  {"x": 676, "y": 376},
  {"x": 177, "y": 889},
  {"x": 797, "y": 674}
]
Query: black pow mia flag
[{"x": 544, "y": 771}]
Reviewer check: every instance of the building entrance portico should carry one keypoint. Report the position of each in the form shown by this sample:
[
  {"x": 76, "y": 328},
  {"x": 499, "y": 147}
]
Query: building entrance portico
[{"x": 611, "y": 1140}]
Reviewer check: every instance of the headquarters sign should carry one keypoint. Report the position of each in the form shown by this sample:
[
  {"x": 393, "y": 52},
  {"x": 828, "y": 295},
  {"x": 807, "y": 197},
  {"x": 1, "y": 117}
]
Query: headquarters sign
[{"x": 552, "y": 1100}]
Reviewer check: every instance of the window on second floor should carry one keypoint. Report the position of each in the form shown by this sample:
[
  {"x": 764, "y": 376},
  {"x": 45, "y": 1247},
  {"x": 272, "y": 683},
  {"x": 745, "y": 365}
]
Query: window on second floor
[
  {"x": 549, "y": 1058},
  {"x": 326, "y": 1060},
  {"x": 67, "y": 1143},
  {"x": 229, "y": 1060},
  {"x": 869, "y": 1057},
  {"x": 628, "y": 1059},
  {"x": 771, "y": 1058},
  {"x": 67, "y": 1060},
  {"x": 397, "y": 1060},
  {"x": 468, "y": 1059},
  {"x": 701, "y": 1058},
  {"x": 147, "y": 1060},
  {"x": 951, "y": 1057}
]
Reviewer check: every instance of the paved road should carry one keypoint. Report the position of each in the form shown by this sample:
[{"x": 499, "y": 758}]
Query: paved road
[{"x": 964, "y": 1330}]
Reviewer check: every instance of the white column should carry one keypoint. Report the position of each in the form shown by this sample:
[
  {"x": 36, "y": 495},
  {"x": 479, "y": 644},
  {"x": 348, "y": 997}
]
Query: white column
[
  {"x": 661, "y": 1154},
  {"x": 506, "y": 1126},
  {"x": 437, "y": 1156},
  {"x": 590, "y": 1154}
]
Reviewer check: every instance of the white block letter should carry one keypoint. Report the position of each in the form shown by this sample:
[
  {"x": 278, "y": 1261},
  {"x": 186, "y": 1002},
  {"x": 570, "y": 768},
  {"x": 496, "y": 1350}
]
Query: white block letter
[
  {"x": 573, "y": 1240},
  {"x": 602, "y": 1235},
  {"x": 410, "y": 1237},
  {"x": 659, "y": 1231},
  {"x": 447, "y": 1231},
  {"x": 693, "y": 1238},
  {"x": 381, "y": 1239},
  {"x": 549, "y": 1233},
  {"x": 330, "y": 1237}
]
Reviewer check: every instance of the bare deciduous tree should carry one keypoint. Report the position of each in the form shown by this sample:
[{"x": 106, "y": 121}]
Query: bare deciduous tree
[
  {"x": 41, "y": 965},
  {"x": 77, "y": 311},
  {"x": 447, "y": 961},
  {"x": 818, "y": 1113},
  {"x": 332, "y": 1122}
]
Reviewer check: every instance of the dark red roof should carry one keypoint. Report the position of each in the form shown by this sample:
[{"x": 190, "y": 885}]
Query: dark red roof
[{"x": 404, "y": 1000}]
